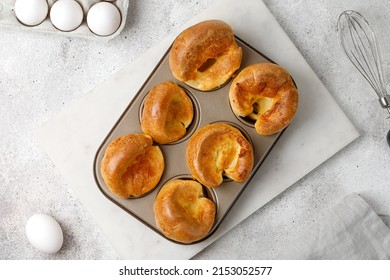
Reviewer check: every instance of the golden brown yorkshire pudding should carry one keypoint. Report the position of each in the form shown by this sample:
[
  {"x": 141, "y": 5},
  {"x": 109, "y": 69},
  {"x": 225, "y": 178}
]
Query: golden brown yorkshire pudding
[
  {"x": 182, "y": 212},
  {"x": 264, "y": 92},
  {"x": 216, "y": 150},
  {"x": 167, "y": 113},
  {"x": 205, "y": 55},
  {"x": 131, "y": 165}
]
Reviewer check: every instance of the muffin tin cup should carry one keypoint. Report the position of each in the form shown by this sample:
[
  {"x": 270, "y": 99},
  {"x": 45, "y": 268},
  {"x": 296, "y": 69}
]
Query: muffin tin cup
[
  {"x": 194, "y": 123},
  {"x": 209, "y": 107}
]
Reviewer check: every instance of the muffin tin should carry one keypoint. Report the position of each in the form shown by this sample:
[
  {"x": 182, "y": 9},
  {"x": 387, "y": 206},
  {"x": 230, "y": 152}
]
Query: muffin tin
[
  {"x": 209, "y": 107},
  {"x": 9, "y": 20}
]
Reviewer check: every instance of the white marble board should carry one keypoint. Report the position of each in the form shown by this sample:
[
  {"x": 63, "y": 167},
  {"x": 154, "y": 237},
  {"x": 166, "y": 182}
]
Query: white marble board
[{"x": 319, "y": 130}]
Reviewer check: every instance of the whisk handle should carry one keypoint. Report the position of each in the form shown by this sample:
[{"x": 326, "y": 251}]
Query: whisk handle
[
  {"x": 388, "y": 137},
  {"x": 385, "y": 101}
]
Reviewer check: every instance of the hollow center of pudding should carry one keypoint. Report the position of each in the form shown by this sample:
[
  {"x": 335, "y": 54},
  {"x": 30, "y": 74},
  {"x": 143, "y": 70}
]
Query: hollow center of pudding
[
  {"x": 209, "y": 62},
  {"x": 226, "y": 157},
  {"x": 191, "y": 202},
  {"x": 262, "y": 105}
]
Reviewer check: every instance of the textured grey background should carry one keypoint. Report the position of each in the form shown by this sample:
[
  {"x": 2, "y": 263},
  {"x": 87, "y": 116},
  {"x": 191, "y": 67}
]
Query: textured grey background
[{"x": 41, "y": 74}]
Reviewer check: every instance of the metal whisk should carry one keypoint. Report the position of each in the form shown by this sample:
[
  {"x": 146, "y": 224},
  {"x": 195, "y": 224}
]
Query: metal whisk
[{"x": 359, "y": 43}]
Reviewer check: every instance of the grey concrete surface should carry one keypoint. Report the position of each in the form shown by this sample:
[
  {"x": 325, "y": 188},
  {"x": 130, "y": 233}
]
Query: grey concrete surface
[{"x": 40, "y": 74}]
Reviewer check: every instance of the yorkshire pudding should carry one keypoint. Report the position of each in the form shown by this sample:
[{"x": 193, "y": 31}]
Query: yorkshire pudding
[
  {"x": 264, "y": 92},
  {"x": 205, "y": 55},
  {"x": 167, "y": 113},
  {"x": 218, "y": 150},
  {"x": 182, "y": 212},
  {"x": 131, "y": 165}
]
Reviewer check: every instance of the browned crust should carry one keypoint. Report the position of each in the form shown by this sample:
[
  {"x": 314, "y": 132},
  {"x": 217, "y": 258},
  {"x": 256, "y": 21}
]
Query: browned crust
[
  {"x": 167, "y": 113},
  {"x": 131, "y": 165},
  {"x": 265, "y": 80},
  {"x": 182, "y": 212},
  {"x": 211, "y": 39},
  {"x": 219, "y": 149}
]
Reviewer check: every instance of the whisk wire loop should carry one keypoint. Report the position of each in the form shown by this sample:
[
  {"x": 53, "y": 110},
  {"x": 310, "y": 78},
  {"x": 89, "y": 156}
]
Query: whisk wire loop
[
  {"x": 359, "y": 43},
  {"x": 372, "y": 71}
]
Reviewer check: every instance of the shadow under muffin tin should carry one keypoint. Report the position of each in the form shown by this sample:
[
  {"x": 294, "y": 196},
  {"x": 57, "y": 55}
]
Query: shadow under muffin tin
[{"x": 209, "y": 107}]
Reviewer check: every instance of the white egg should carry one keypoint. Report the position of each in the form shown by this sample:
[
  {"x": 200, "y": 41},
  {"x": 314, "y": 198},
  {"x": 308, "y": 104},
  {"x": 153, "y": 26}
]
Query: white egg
[
  {"x": 103, "y": 18},
  {"x": 66, "y": 15},
  {"x": 44, "y": 233},
  {"x": 31, "y": 12}
]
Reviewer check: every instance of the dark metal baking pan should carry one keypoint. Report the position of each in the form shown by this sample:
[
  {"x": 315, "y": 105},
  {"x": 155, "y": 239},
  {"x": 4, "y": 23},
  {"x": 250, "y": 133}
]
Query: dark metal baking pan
[{"x": 209, "y": 107}]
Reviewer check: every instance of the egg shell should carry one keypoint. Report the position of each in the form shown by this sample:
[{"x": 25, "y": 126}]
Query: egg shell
[
  {"x": 31, "y": 12},
  {"x": 44, "y": 233},
  {"x": 66, "y": 15},
  {"x": 104, "y": 18}
]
